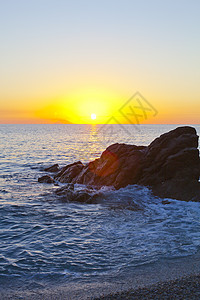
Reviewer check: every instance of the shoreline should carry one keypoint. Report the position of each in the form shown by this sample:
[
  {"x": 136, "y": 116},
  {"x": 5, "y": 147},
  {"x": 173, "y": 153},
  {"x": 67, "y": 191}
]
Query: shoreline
[
  {"x": 158, "y": 279},
  {"x": 182, "y": 288}
]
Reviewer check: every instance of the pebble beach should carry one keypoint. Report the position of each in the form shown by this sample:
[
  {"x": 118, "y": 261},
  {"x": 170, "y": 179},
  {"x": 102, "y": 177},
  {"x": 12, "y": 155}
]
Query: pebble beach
[
  {"x": 183, "y": 288},
  {"x": 167, "y": 279}
]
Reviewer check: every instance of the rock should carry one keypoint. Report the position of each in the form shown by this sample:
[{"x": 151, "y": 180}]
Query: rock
[
  {"x": 53, "y": 169},
  {"x": 68, "y": 194},
  {"x": 178, "y": 189},
  {"x": 89, "y": 195},
  {"x": 166, "y": 202},
  {"x": 170, "y": 166},
  {"x": 69, "y": 172},
  {"x": 172, "y": 155},
  {"x": 46, "y": 179}
]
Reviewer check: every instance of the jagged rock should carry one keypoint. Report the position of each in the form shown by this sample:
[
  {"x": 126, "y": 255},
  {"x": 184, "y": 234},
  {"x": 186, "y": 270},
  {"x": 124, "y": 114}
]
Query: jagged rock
[
  {"x": 46, "y": 179},
  {"x": 68, "y": 194},
  {"x": 69, "y": 172},
  {"x": 172, "y": 155},
  {"x": 52, "y": 169},
  {"x": 187, "y": 190},
  {"x": 169, "y": 165},
  {"x": 89, "y": 195},
  {"x": 166, "y": 202}
]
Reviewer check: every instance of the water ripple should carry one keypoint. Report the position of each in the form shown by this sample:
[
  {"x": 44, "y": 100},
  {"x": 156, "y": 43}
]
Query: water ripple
[{"x": 43, "y": 238}]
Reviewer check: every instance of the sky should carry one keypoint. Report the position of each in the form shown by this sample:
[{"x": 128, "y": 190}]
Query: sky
[{"x": 61, "y": 61}]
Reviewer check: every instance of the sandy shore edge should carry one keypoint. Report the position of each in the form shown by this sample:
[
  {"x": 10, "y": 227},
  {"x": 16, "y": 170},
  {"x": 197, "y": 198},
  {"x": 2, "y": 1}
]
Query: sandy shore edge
[
  {"x": 165, "y": 279},
  {"x": 183, "y": 288}
]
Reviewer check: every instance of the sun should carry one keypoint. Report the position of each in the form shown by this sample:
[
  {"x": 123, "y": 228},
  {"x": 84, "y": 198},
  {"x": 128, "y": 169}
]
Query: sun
[{"x": 93, "y": 116}]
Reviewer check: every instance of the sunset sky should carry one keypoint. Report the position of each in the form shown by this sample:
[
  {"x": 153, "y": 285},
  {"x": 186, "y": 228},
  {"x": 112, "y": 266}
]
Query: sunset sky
[{"x": 62, "y": 61}]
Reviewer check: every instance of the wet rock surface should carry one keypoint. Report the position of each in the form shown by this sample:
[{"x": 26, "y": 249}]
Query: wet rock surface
[
  {"x": 46, "y": 179},
  {"x": 69, "y": 194},
  {"x": 169, "y": 166},
  {"x": 52, "y": 169},
  {"x": 91, "y": 195}
]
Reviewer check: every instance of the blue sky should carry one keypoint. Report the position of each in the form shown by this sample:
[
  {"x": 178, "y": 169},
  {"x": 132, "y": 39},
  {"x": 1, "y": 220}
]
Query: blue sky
[{"x": 48, "y": 48}]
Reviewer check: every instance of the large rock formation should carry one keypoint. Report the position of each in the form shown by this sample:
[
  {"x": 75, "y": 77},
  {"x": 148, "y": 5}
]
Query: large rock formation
[{"x": 169, "y": 165}]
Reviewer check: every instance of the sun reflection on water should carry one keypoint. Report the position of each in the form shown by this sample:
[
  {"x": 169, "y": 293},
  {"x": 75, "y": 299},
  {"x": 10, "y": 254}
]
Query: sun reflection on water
[{"x": 92, "y": 144}]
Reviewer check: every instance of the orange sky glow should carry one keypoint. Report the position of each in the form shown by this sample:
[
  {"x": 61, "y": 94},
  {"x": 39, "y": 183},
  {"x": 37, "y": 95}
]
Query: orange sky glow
[{"x": 87, "y": 57}]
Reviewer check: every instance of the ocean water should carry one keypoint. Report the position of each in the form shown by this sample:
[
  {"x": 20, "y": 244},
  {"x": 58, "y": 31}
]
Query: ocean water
[{"x": 44, "y": 240}]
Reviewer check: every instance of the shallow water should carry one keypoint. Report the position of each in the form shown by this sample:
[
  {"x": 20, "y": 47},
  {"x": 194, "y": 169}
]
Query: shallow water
[{"x": 46, "y": 240}]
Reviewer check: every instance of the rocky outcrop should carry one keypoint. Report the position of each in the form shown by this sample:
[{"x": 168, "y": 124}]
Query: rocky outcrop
[
  {"x": 52, "y": 169},
  {"x": 92, "y": 195},
  {"x": 169, "y": 165},
  {"x": 46, "y": 179},
  {"x": 70, "y": 172},
  {"x": 69, "y": 194}
]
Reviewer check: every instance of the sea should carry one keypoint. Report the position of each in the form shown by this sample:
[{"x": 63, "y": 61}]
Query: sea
[{"x": 47, "y": 241}]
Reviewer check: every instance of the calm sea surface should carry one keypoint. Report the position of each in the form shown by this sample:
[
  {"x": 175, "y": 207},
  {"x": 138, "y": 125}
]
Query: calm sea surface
[{"x": 45, "y": 240}]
